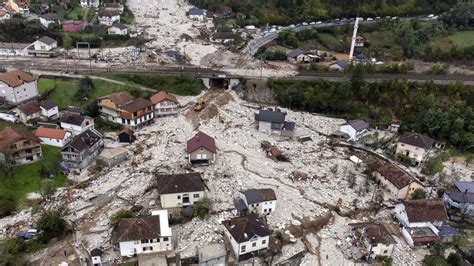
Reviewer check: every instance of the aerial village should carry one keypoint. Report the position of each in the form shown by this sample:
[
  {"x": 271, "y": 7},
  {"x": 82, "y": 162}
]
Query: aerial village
[{"x": 215, "y": 178}]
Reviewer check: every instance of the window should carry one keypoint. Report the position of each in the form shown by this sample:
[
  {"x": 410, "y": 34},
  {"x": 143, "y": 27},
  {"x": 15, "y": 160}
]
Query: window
[
  {"x": 254, "y": 244},
  {"x": 270, "y": 210},
  {"x": 136, "y": 242},
  {"x": 385, "y": 251},
  {"x": 144, "y": 241},
  {"x": 242, "y": 248},
  {"x": 147, "y": 248},
  {"x": 179, "y": 197},
  {"x": 196, "y": 196},
  {"x": 155, "y": 240},
  {"x": 165, "y": 239},
  {"x": 264, "y": 242},
  {"x": 264, "y": 210}
]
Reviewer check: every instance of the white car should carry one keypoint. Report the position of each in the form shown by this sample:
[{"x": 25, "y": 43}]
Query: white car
[
  {"x": 292, "y": 25},
  {"x": 369, "y": 19},
  {"x": 305, "y": 24},
  {"x": 430, "y": 15},
  {"x": 319, "y": 22},
  {"x": 312, "y": 23}
]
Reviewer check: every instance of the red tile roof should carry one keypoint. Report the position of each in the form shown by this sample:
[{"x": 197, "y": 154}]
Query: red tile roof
[
  {"x": 10, "y": 135},
  {"x": 201, "y": 140},
  {"x": 119, "y": 98},
  {"x": 163, "y": 95},
  {"x": 16, "y": 78},
  {"x": 52, "y": 133},
  {"x": 393, "y": 174},
  {"x": 419, "y": 211}
]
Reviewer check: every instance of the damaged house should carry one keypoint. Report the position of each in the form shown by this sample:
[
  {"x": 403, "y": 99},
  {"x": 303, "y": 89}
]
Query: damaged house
[
  {"x": 19, "y": 146},
  {"x": 201, "y": 149},
  {"x": 373, "y": 239},
  {"x": 415, "y": 146},
  {"x": 355, "y": 129},
  {"x": 180, "y": 190},
  {"x": 399, "y": 183},
  {"x": 260, "y": 201},
  {"x": 247, "y": 235},
  {"x": 82, "y": 149},
  {"x": 463, "y": 198},
  {"x": 143, "y": 235},
  {"x": 273, "y": 122},
  {"x": 420, "y": 220}
]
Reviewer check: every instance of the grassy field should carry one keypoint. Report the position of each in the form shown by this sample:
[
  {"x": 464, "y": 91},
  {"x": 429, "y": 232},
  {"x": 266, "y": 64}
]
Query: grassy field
[
  {"x": 26, "y": 178},
  {"x": 462, "y": 39},
  {"x": 76, "y": 14},
  {"x": 65, "y": 90}
]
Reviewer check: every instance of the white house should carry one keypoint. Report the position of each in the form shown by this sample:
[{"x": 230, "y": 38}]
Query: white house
[
  {"x": 49, "y": 109},
  {"x": 415, "y": 146},
  {"x": 143, "y": 235},
  {"x": 247, "y": 235},
  {"x": 44, "y": 47},
  {"x": 90, "y": 3},
  {"x": 47, "y": 19},
  {"x": 76, "y": 123},
  {"x": 180, "y": 190},
  {"x": 419, "y": 220},
  {"x": 96, "y": 256},
  {"x": 13, "y": 49},
  {"x": 201, "y": 148},
  {"x": 297, "y": 55},
  {"x": 339, "y": 65},
  {"x": 373, "y": 239},
  {"x": 355, "y": 129},
  {"x": 197, "y": 14},
  {"x": 108, "y": 17},
  {"x": 463, "y": 198},
  {"x": 165, "y": 103},
  {"x": 273, "y": 122},
  {"x": 118, "y": 29},
  {"x": 261, "y": 201},
  {"x": 28, "y": 111},
  {"x": 17, "y": 86},
  {"x": 53, "y": 136}
]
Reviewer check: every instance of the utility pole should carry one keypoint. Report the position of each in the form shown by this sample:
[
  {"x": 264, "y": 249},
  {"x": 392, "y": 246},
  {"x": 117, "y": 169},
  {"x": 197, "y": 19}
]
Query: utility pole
[{"x": 354, "y": 36}]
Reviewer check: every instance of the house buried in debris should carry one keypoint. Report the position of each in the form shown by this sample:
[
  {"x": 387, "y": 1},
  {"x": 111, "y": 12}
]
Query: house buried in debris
[
  {"x": 201, "y": 149},
  {"x": 142, "y": 235},
  {"x": 373, "y": 239},
  {"x": 420, "y": 220},
  {"x": 415, "y": 146},
  {"x": 463, "y": 198},
  {"x": 180, "y": 190},
  {"x": 247, "y": 235},
  {"x": 399, "y": 183},
  {"x": 273, "y": 122},
  {"x": 260, "y": 201},
  {"x": 355, "y": 129}
]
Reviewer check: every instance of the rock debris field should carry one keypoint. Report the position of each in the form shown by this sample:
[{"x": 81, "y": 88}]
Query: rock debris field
[{"x": 241, "y": 164}]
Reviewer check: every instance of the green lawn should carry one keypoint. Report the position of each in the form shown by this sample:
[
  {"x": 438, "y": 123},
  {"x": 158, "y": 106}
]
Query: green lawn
[
  {"x": 26, "y": 178},
  {"x": 462, "y": 39},
  {"x": 76, "y": 14},
  {"x": 65, "y": 89}
]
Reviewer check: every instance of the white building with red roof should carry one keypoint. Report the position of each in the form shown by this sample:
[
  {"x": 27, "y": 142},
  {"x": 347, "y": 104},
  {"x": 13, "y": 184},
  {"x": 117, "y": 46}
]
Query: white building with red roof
[
  {"x": 201, "y": 148},
  {"x": 53, "y": 136}
]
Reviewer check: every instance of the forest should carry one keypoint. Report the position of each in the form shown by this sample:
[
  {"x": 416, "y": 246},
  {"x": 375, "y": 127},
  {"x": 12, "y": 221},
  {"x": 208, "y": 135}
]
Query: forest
[
  {"x": 284, "y": 12},
  {"x": 444, "y": 112}
]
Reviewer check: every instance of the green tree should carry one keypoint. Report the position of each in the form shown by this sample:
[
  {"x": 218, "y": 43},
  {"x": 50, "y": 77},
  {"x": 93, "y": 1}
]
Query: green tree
[
  {"x": 202, "y": 207},
  {"x": 47, "y": 189},
  {"x": 454, "y": 259},
  {"x": 419, "y": 193},
  {"x": 52, "y": 224},
  {"x": 123, "y": 213},
  {"x": 7, "y": 204},
  {"x": 432, "y": 167}
]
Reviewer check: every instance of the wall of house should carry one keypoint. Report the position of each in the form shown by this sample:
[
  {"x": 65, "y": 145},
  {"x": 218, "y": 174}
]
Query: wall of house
[
  {"x": 413, "y": 152},
  {"x": 13, "y": 52},
  {"x": 465, "y": 207},
  {"x": 202, "y": 154},
  {"x": 166, "y": 108},
  {"x": 18, "y": 94},
  {"x": 24, "y": 117},
  {"x": 76, "y": 130},
  {"x": 26, "y": 152},
  {"x": 265, "y": 207},
  {"x": 233, "y": 243},
  {"x": 381, "y": 250},
  {"x": 52, "y": 113},
  {"x": 403, "y": 193},
  {"x": 108, "y": 21},
  {"x": 259, "y": 242},
  {"x": 172, "y": 200},
  {"x": 407, "y": 237},
  {"x": 197, "y": 17},
  {"x": 39, "y": 46},
  {"x": 136, "y": 247},
  {"x": 349, "y": 130},
  {"x": 55, "y": 142}
]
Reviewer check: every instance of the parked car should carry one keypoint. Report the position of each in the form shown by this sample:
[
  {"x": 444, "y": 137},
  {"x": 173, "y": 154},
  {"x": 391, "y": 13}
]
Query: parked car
[{"x": 24, "y": 235}]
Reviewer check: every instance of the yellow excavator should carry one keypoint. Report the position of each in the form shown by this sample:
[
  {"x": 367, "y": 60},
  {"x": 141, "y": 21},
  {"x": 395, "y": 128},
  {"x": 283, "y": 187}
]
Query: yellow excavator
[{"x": 200, "y": 104}]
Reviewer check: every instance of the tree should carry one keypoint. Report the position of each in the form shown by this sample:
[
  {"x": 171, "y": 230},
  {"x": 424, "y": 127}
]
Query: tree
[
  {"x": 202, "y": 207},
  {"x": 12, "y": 251},
  {"x": 52, "y": 224},
  {"x": 454, "y": 259},
  {"x": 7, "y": 204},
  {"x": 419, "y": 193},
  {"x": 432, "y": 167},
  {"x": 123, "y": 213},
  {"x": 47, "y": 189}
]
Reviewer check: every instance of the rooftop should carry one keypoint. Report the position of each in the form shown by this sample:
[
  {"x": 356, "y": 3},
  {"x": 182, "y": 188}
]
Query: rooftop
[
  {"x": 16, "y": 78},
  {"x": 270, "y": 115},
  {"x": 163, "y": 95},
  {"x": 29, "y": 108},
  {"x": 178, "y": 183},
  {"x": 196, "y": 12},
  {"x": 85, "y": 140},
  {"x": 136, "y": 105},
  {"x": 393, "y": 174},
  {"x": 201, "y": 140},
  {"x": 129, "y": 229},
  {"x": 53, "y": 133},
  {"x": 374, "y": 233},
  {"x": 119, "y": 98},
  {"x": 417, "y": 140},
  {"x": 244, "y": 228},
  {"x": 259, "y": 195},
  {"x": 72, "y": 118},
  {"x": 419, "y": 211},
  {"x": 464, "y": 186},
  {"x": 48, "y": 104},
  {"x": 358, "y": 125},
  {"x": 295, "y": 53},
  {"x": 47, "y": 40}
]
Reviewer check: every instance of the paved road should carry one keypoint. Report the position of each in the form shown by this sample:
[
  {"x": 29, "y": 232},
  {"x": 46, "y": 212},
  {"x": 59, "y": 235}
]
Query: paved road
[{"x": 268, "y": 36}]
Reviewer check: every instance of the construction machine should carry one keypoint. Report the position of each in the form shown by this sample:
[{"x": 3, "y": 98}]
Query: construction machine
[{"x": 200, "y": 104}]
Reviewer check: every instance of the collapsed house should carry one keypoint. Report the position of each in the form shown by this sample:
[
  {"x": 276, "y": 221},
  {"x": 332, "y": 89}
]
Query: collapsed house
[{"x": 372, "y": 240}]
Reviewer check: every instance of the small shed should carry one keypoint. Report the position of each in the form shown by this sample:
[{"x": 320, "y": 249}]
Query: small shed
[
  {"x": 126, "y": 135},
  {"x": 113, "y": 156}
]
